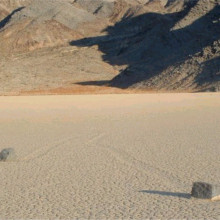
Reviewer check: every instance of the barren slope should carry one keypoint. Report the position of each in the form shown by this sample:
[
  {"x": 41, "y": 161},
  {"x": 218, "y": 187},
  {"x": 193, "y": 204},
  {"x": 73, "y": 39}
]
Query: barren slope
[
  {"x": 8, "y": 6},
  {"x": 152, "y": 45}
]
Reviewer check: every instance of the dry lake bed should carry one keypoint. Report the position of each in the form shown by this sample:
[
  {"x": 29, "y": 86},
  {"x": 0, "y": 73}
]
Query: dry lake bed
[{"x": 109, "y": 156}]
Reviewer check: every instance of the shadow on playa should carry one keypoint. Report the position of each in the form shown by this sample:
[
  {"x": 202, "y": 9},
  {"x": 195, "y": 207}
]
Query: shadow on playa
[{"x": 164, "y": 193}]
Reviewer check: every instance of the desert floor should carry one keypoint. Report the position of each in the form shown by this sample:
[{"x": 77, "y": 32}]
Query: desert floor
[{"x": 109, "y": 156}]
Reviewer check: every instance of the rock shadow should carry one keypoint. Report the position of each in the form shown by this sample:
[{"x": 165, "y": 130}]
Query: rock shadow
[{"x": 164, "y": 193}]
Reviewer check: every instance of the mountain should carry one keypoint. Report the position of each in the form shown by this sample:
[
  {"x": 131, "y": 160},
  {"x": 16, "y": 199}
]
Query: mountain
[{"x": 165, "y": 45}]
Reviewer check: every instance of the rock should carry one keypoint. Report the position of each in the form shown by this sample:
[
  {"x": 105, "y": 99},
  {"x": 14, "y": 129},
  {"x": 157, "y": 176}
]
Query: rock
[
  {"x": 7, "y": 154},
  {"x": 203, "y": 190},
  {"x": 103, "y": 8},
  {"x": 164, "y": 2}
]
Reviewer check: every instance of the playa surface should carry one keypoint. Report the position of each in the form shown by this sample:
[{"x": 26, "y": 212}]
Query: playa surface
[{"x": 109, "y": 156}]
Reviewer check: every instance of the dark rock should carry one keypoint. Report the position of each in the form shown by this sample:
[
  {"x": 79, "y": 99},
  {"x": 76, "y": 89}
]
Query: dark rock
[
  {"x": 203, "y": 190},
  {"x": 7, "y": 154}
]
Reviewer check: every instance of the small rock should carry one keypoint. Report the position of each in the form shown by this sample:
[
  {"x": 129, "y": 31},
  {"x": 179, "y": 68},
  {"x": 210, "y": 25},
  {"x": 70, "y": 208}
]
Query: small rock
[
  {"x": 203, "y": 190},
  {"x": 7, "y": 154}
]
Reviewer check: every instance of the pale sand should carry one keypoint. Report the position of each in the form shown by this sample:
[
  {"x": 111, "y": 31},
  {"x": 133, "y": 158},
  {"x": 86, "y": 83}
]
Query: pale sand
[{"x": 109, "y": 156}]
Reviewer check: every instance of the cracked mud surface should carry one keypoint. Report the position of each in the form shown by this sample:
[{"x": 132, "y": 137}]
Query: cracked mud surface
[{"x": 109, "y": 156}]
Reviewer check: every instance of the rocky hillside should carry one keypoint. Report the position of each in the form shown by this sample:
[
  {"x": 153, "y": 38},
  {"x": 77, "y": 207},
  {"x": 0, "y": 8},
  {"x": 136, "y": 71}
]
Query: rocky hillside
[{"x": 128, "y": 44}]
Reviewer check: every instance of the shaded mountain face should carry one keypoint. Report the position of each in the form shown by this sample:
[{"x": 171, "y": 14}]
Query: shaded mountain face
[
  {"x": 165, "y": 51},
  {"x": 141, "y": 44}
]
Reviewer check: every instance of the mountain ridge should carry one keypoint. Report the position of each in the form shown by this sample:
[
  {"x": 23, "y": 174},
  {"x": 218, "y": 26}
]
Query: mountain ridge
[{"x": 161, "y": 45}]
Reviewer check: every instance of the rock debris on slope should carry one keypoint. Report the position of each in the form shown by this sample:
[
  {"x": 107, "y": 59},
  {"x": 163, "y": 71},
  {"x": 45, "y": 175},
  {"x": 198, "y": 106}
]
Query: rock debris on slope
[{"x": 151, "y": 44}]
